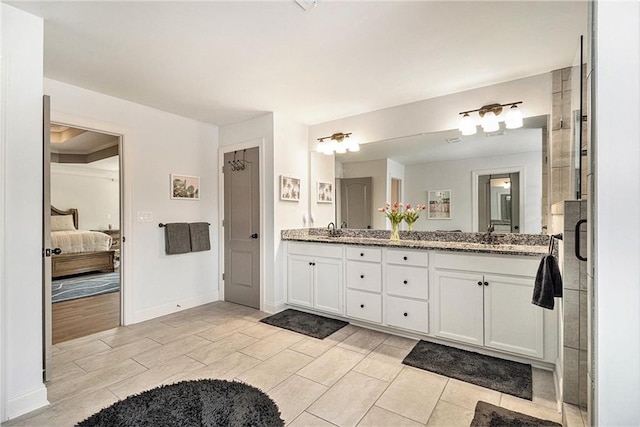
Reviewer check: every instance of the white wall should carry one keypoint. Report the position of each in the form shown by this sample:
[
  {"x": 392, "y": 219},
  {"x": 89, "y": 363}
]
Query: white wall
[
  {"x": 437, "y": 114},
  {"x": 94, "y": 192},
  {"x": 155, "y": 144},
  {"x": 616, "y": 209},
  {"x": 291, "y": 158},
  {"x": 21, "y": 387},
  {"x": 456, "y": 176}
]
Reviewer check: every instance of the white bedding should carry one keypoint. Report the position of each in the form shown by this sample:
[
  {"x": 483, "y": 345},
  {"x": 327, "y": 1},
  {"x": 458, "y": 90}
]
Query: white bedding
[{"x": 77, "y": 241}]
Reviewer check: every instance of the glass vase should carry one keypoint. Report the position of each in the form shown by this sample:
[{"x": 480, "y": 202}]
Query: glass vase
[
  {"x": 410, "y": 226},
  {"x": 394, "y": 231}
]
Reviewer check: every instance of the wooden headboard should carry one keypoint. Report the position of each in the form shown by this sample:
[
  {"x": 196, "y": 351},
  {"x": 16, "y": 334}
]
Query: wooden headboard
[{"x": 72, "y": 211}]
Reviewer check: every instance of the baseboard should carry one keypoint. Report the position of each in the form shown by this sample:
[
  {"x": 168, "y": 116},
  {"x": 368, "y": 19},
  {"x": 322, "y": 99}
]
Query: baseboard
[
  {"x": 271, "y": 308},
  {"x": 174, "y": 307},
  {"x": 27, "y": 402}
]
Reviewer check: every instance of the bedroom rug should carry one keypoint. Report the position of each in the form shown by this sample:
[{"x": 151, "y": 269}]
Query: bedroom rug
[
  {"x": 192, "y": 403},
  {"x": 491, "y": 372},
  {"x": 68, "y": 288},
  {"x": 305, "y": 323},
  {"x": 488, "y": 415}
]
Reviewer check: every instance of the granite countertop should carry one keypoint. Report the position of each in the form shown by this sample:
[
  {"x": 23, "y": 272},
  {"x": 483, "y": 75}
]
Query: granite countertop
[{"x": 522, "y": 245}]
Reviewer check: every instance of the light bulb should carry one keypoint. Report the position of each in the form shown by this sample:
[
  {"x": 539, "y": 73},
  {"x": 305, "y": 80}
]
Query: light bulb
[
  {"x": 340, "y": 148},
  {"x": 467, "y": 125},
  {"x": 352, "y": 145},
  {"x": 514, "y": 118},
  {"x": 490, "y": 122}
]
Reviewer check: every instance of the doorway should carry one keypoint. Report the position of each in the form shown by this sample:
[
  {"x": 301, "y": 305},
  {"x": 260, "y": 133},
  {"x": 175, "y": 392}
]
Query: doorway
[
  {"x": 242, "y": 233},
  {"x": 82, "y": 207},
  {"x": 499, "y": 202},
  {"x": 355, "y": 202}
]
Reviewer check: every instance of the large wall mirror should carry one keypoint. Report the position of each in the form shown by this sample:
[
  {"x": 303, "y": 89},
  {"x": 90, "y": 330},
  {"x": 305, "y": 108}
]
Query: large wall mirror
[{"x": 504, "y": 167}]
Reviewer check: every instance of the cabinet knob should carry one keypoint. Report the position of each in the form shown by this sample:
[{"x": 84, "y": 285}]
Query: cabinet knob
[
  {"x": 486, "y": 283},
  {"x": 310, "y": 263},
  {"x": 405, "y": 282},
  {"x": 405, "y": 258},
  {"x": 479, "y": 283},
  {"x": 406, "y": 314},
  {"x": 361, "y": 254},
  {"x": 361, "y": 305},
  {"x": 362, "y": 276}
]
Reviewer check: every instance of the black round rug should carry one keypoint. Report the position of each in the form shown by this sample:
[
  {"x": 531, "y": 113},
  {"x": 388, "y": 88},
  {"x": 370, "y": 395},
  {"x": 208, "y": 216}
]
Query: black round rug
[{"x": 192, "y": 403}]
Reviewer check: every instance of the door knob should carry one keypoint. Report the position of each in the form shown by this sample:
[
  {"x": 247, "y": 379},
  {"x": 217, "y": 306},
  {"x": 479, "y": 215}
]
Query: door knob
[
  {"x": 254, "y": 236},
  {"x": 56, "y": 251}
]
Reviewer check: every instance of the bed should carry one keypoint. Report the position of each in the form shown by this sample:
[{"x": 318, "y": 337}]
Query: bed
[{"x": 83, "y": 251}]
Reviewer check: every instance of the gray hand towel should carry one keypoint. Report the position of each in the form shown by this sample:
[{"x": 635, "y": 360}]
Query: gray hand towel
[
  {"x": 199, "y": 236},
  {"x": 176, "y": 238},
  {"x": 548, "y": 283}
]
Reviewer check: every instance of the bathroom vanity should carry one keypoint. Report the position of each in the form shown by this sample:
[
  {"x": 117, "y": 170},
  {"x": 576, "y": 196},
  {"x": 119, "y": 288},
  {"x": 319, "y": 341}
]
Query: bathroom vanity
[{"x": 462, "y": 291}]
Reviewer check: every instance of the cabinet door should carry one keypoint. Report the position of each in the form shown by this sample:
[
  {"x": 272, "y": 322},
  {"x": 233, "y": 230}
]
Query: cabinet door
[
  {"x": 327, "y": 295},
  {"x": 300, "y": 280},
  {"x": 457, "y": 306},
  {"x": 512, "y": 323}
]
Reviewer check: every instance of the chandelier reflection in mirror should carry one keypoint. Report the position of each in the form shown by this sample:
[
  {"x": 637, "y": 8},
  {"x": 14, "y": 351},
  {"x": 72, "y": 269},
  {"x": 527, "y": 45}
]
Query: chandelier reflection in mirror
[
  {"x": 489, "y": 118},
  {"x": 337, "y": 143}
]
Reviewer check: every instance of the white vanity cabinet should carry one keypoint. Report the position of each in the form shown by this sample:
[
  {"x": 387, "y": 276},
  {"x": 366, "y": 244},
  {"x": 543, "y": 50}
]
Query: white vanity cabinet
[
  {"x": 485, "y": 300},
  {"x": 407, "y": 289},
  {"x": 364, "y": 283},
  {"x": 314, "y": 277}
]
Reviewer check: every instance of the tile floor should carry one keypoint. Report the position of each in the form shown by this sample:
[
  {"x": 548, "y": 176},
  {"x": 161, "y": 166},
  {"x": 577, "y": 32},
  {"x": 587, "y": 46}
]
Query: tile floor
[{"x": 353, "y": 377}]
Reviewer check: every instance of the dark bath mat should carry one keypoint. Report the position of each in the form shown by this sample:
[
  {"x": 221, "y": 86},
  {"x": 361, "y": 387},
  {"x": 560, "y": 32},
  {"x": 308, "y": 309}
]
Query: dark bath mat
[
  {"x": 491, "y": 372},
  {"x": 488, "y": 415},
  {"x": 305, "y": 323},
  {"x": 191, "y": 403}
]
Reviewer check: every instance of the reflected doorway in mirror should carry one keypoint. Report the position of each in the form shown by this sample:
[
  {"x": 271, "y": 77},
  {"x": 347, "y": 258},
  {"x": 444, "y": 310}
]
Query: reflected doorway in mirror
[{"x": 439, "y": 204}]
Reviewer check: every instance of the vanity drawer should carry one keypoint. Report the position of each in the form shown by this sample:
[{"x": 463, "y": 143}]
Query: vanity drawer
[
  {"x": 364, "y": 275},
  {"x": 410, "y": 282},
  {"x": 364, "y": 254},
  {"x": 408, "y": 314},
  {"x": 404, "y": 257},
  {"x": 365, "y": 306},
  {"x": 315, "y": 249}
]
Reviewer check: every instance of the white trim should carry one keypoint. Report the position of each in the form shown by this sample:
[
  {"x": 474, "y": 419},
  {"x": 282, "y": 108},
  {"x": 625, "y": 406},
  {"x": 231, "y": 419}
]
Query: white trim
[
  {"x": 273, "y": 308},
  {"x": 27, "y": 402},
  {"x": 474, "y": 192},
  {"x": 258, "y": 142},
  {"x": 4, "y": 77},
  {"x": 126, "y": 202},
  {"x": 170, "y": 307}
]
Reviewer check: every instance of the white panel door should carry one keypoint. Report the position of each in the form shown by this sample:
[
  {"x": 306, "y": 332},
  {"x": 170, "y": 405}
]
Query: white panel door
[
  {"x": 512, "y": 323},
  {"x": 327, "y": 285},
  {"x": 457, "y": 306},
  {"x": 300, "y": 280}
]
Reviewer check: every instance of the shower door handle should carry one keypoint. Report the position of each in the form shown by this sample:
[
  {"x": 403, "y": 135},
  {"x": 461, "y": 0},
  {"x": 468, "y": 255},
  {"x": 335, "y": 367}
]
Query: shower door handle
[{"x": 577, "y": 240}]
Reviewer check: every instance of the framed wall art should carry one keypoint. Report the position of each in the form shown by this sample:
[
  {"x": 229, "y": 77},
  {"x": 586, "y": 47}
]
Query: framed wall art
[
  {"x": 439, "y": 204},
  {"x": 185, "y": 187},
  {"x": 325, "y": 192},
  {"x": 289, "y": 188}
]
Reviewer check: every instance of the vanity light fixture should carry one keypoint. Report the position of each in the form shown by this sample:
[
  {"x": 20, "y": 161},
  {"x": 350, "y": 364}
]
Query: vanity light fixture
[
  {"x": 337, "y": 143},
  {"x": 489, "y": 118}
]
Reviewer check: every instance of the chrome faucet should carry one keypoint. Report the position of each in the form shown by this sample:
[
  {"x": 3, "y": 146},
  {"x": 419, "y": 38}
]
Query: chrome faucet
[
  {"x": 488, "y": 237},
  {"x": 332, "y": 229},
  {"x": 344, "y": 224}
]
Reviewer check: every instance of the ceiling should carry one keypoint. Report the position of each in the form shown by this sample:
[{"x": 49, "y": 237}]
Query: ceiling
[{"x": 225, "y": 62}]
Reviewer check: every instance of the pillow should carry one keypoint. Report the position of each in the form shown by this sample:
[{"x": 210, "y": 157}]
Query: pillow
[{"x": 62, "y": 223}]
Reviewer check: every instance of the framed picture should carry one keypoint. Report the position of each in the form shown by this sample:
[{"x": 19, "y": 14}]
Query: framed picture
[
  {"x": 185, "y": 187},
  {"x": 289, "y": 188},
  {"x": 439, "y": 204},
  {"x": 325, "y": 192}
]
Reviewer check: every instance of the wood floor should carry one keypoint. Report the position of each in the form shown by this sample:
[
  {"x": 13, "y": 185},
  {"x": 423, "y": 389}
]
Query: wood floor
[{"x": 84, "y": 316}]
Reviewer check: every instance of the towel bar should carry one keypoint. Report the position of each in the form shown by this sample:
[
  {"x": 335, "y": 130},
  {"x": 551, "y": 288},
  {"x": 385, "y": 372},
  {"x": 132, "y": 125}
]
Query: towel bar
[{"x": 162, "y": 225}]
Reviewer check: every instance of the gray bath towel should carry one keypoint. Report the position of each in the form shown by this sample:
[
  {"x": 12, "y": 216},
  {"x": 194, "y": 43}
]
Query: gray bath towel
[
  {"x": 548, "y": 283},
  {"x": 176, "y": 238},
  {"x": 199, "y": 236}
]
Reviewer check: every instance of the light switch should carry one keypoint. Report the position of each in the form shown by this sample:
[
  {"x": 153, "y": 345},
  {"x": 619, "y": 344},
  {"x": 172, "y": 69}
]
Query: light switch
[{"x": 145, "y": 216}]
